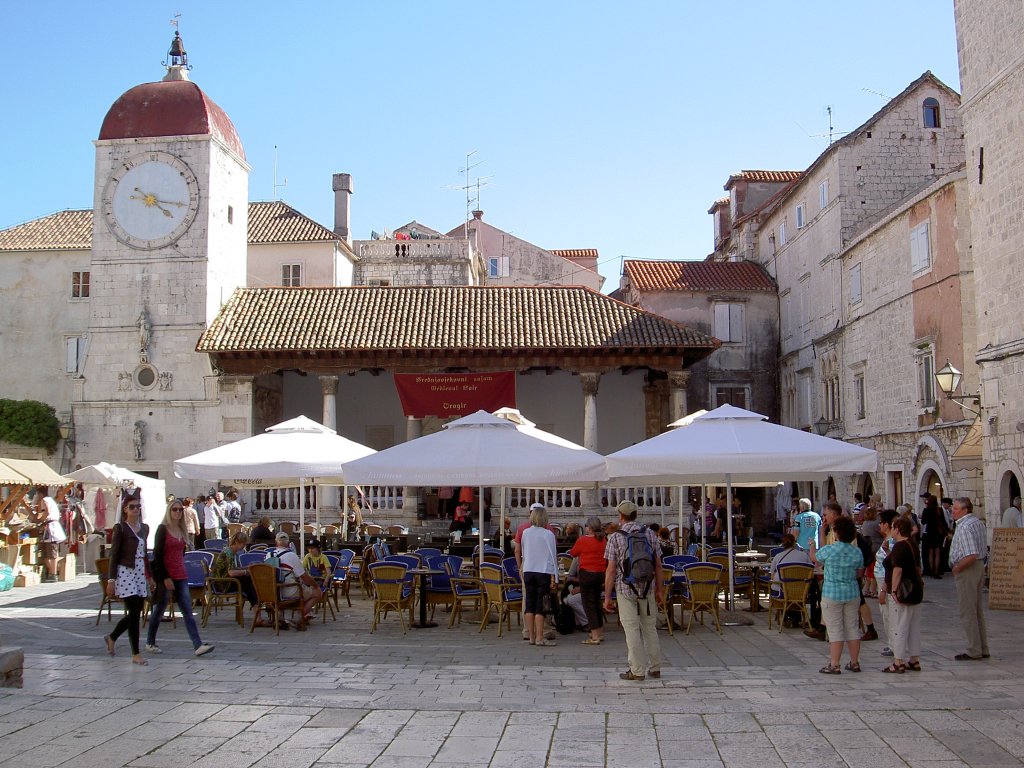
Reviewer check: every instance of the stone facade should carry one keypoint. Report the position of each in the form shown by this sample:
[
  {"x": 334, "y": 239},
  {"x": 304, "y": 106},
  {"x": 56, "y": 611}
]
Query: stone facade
[
  {"x": 925, "y": 317},
  {"x": 989, "y": 38},
  {"x": 428, "y": 261}
]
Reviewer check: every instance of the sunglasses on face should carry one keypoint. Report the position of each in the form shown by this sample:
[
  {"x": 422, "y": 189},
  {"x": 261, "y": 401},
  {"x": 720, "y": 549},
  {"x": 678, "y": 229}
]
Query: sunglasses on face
[
  {"x": 177, "y": 509},
  {"x": 134, "y": 506}
]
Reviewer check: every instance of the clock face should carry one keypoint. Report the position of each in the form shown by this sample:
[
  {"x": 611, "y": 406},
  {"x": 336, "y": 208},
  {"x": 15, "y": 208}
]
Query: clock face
[{"x": 150, "y": 200}]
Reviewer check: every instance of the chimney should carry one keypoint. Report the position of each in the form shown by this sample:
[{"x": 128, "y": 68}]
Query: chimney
[
  {"x": 478, "y": 215},
  {"x": 342, "y": 186}
]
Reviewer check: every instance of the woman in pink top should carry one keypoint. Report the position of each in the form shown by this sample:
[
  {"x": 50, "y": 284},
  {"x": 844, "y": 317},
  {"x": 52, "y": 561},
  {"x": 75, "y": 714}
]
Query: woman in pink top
[{"x": 172, "y": 540}]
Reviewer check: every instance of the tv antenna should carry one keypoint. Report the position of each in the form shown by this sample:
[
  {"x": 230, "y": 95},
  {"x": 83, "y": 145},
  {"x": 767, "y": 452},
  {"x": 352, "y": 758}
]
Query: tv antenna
[
  {"x": 282, "y": 184},
  {"x": 472, "y": 198},
  {"x": 880, "y": 95}
]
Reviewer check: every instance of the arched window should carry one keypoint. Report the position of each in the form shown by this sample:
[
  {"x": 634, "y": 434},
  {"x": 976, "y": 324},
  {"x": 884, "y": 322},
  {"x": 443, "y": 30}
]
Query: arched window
[{"x": 932, "y": 118}]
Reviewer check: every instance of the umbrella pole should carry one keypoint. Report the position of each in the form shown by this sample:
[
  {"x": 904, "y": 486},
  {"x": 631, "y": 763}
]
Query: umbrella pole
[
  {"x": 501, "y": 518},
  {"x": 728, "y": 519},
  {"x": 344, "y": 512},
  {"x": 302, "y": 518},
  {"x": 679, "y": 530},
  {"x": 703, "y": 522},
  {"x": 480, "y": 527}
]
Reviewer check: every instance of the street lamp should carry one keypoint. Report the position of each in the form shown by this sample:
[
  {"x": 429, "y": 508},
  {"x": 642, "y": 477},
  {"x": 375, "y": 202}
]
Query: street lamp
[
  {"x": 66, "y": 429},
  {"x": 948, "y": 378},
  {"x": 822, "y": 426}
]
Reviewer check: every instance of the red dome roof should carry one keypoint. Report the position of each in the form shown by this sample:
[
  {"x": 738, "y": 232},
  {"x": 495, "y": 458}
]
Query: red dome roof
[{"x": 168, "y": 108}]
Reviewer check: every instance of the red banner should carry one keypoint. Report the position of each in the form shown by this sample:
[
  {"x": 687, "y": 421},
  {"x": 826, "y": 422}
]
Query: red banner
[{"x": 455, "y": 394}]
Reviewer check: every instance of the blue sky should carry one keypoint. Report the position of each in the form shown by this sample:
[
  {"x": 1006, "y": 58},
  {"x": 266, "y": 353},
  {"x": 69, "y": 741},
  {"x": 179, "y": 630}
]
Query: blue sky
[{"x": 601, "y": 125}]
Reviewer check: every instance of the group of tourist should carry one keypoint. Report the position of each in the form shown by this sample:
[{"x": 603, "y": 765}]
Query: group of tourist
[{"x": 888, "y": 559}]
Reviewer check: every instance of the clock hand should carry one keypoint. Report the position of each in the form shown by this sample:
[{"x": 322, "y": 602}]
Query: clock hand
[{"x": 151, "y": 201}]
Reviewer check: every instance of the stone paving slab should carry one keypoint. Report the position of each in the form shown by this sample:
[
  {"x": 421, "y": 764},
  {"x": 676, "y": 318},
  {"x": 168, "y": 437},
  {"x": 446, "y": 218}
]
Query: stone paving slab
[{"x": 338, "y": 696}]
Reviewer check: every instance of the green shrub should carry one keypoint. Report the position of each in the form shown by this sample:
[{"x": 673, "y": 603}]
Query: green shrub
[{"x": 30, "y": 423}]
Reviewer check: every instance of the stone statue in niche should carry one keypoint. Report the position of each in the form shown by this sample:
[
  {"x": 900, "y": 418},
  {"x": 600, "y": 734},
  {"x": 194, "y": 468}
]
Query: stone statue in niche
[
  {"x": 138, "y": 439},
  {"x": 166, "y": 381},
  {"x": 145, "y": 326}
]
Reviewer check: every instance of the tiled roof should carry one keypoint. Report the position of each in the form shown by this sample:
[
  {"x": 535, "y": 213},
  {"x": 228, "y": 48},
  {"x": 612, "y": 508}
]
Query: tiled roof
[
  {"x": 698, "y": 276},
  {"x": 406, "y": 319},
  {"x": 575, "y": 253},
  {"x": 269, "y": 222},
  {"x": 770, "y": 177},
  {"x": 64, "y": 230},
  {"x": 277, "y": 222}
]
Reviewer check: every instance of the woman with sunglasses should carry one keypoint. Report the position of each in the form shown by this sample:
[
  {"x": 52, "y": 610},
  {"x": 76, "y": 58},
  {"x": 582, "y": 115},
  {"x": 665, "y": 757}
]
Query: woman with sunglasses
[
  {"x": 172, "y": 539},
  {"x": 129, "y": 578}
]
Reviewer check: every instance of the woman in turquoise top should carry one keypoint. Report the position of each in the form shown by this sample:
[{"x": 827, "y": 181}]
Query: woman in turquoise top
[{"x": 840, "y": 594}]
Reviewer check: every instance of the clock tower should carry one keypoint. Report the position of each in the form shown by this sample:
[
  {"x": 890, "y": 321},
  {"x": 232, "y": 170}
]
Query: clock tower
[{"x": 168, "y": 248}]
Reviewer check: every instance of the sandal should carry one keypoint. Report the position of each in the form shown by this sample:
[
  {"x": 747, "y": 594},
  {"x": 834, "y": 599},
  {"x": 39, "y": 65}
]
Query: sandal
[
  {"x": 853, "y": 666},
  {"x": 591, "y": 641},
  {"x": 140, "y": 661},
  {"x": 546, "y": 642},
  {"x": 110, "y": 644},
  {"x": 914, "y": 666},
  {"x": 895, "y": 669},
  {"x": 830, "y": 669}
]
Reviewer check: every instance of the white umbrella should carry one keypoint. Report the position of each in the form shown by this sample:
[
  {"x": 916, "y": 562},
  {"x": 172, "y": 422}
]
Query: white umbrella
[
  {"x": 294, "y": 452},
  {"x": 482, "y": 450},
  {"x": 154, "y": 492},
  {"x": 730, "y": 446}
]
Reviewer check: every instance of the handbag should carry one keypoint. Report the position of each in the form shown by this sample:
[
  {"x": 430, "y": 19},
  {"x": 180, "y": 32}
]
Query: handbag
[
  {"x": 547, "y": 603},
  {"x": 904, "y": 591}
]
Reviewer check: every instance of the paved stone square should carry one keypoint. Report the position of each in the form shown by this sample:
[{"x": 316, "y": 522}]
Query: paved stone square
[{"x": 339, "y": 696}]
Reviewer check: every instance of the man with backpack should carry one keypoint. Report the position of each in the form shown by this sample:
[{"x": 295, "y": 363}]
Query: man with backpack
[{"x": 634, "y": 571}]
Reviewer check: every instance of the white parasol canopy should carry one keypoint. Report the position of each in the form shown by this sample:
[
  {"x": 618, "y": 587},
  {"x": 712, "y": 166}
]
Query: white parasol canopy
[
  {"x": 105, "y": 475},
  {"x": 297, "y": 452},
  {"x": 730, "y": 445},
  {"x": 738, "y": 444},
  {"x": 284, "y": 454},
  {"x": 483, "y": 450}
]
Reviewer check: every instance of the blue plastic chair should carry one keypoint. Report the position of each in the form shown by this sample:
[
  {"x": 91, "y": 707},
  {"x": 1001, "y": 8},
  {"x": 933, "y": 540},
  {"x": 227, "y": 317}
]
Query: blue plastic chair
[
  {"x": 674, "y": 560},
  {"x": 245, "y": 559},
  {"x": 409, "y": 561},
  {"x": 425, "y": 553},
  {"x": 200, "y": 556},
  {"x": 214, "y": 545}
]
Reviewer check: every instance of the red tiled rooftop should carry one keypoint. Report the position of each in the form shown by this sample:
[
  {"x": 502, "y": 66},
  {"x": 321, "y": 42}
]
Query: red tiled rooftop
[{"x": 698, "y": 276}]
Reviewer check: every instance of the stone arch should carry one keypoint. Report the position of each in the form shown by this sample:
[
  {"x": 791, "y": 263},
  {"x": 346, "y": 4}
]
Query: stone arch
[
  {"x": 925, "y": 442},
  {"x": 1007, "y": 472},
  {"x": 924, "y": 468}
]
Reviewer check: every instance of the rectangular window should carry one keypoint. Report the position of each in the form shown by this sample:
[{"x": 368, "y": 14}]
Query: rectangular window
[
  {"x": 920, "y": 250},
  {"x": 782, "y": 234},
  {"x": 926, "y": 378},
  {"x": 74, "y": 347},
  {"x": 291, "y": 275},
  {"x": 800, "y": 219},
  {"x": 731, "y": 395},
  {"x": 497, "y": 266},
  {"x": 729, "y": 322},
  {"x": 860, "y": 396},
  {"x": 855, "y": 288},
  {"x": 823, "y": 195},
  {"x": 79, "y": 285},
  {"x": 231, "y": 215}
]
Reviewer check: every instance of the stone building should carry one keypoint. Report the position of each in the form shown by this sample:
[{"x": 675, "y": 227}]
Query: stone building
[
  {"x": 736, "y": 303},
  {"x": 908, "y": 294},
  {"x": 990, "y": 34},
  {"x": 798, "y": 226}
]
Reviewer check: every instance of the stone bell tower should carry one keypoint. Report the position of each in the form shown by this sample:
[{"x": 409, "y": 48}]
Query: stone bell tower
[{"x": 169, "y": 246}]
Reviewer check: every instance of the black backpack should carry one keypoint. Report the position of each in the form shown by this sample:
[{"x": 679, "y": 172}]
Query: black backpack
[{"x": 565, "y": 619}]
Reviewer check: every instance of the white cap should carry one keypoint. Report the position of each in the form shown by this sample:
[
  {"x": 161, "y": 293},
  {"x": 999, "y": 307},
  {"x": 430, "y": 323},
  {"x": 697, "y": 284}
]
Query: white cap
[{"x": 536, "y": 505}]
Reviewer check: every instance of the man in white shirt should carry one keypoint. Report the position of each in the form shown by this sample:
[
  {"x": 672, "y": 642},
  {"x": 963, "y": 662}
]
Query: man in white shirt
[
  {"x": 296, "y": 582},
  {"x": 213, "y": 516},
  {"x": 1012, "y": 515}
]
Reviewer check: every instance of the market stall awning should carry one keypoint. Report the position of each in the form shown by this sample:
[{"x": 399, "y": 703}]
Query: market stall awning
[{"x": 37, "y": 472}]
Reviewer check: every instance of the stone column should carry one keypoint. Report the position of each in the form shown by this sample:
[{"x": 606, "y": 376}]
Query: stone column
[
  {"x": 411, "y": 494},
  {"x": 678, "y": 381},
  {"x": 330, "y": 495},
  {"x": 590, "y": 383}
]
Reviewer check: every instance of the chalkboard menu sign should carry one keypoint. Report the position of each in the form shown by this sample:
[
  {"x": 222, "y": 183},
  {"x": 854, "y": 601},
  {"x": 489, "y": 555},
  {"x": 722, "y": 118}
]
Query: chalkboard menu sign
[{"x": 1006, "y": 570}]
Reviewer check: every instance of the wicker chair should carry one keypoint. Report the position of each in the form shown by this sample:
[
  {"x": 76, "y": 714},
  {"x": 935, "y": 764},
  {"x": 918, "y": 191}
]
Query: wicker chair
[
  {"x": 700, "y": 592},
  {"x": 391, "y": 592},
  {"x": 464, "y": 590},
  {"x": 223, "y": 593},
  {"x": 264, "y": 580},
  {"x": 795, "y": 580},
  {"x": 499, "y": 597}
]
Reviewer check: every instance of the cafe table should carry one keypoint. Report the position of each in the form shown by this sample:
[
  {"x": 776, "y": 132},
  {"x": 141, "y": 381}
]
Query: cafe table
[
  {"x": 753, "y": 561},
  {"x": 423, "y": 573}
]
